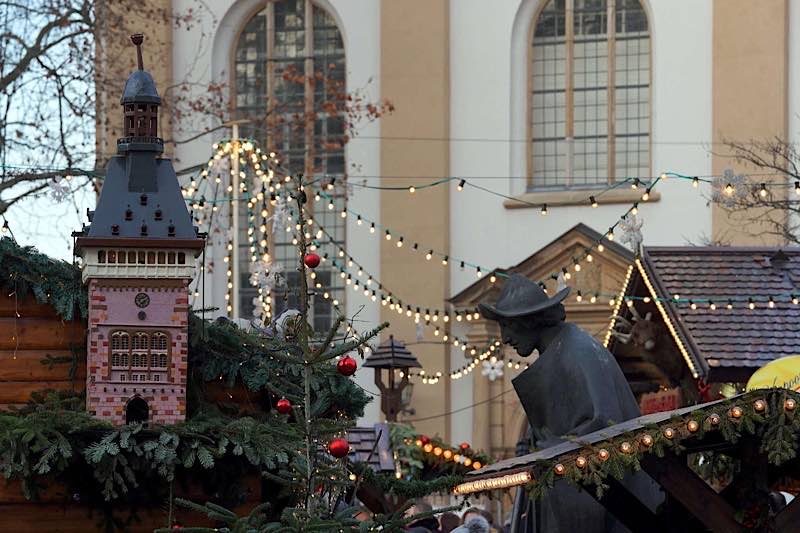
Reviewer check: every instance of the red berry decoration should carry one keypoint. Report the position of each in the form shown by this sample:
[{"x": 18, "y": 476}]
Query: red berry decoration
[
  {"x": 284, "y": 406},
  {"x": 346, "y": 366},
  {"x": 465, "y": 445},
  {"x": 425, "y": 439},
  {"x": 339, "y": 448},
  {"x": 311, "y": 260}
]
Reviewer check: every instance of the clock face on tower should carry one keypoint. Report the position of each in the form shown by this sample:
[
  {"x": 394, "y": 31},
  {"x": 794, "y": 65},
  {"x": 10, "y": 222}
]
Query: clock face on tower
[{"x": 142, "y": 300}]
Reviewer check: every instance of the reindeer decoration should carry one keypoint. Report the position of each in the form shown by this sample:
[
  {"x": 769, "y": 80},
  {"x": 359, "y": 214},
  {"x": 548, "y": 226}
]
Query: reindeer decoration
[{"x": 651, "y": 342}]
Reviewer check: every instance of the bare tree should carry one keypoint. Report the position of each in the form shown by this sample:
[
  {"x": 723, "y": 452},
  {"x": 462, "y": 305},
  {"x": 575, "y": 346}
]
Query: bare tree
[{"x": 765, "y": 200}]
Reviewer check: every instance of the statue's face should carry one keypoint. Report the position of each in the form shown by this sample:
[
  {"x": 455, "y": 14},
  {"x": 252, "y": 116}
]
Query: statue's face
[{"x": 520, "y": 335}]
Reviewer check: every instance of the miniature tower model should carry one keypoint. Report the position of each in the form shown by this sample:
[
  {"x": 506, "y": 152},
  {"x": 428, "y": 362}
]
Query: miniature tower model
[{"x": 138, "y": 260}]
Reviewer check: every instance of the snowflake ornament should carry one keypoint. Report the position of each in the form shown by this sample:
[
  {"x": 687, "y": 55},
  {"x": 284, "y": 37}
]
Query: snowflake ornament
[
  {"x": 729, "y": 188},
  {"x": 59, "y": 190},
  {"x": 492, "y": 369},
  {"x": 631, "y": 232},
  {"x": 280, "y": 214}
]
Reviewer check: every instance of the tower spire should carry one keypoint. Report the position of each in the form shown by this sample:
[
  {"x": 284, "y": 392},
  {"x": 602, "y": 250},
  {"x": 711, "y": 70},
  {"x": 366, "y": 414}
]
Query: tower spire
[{"x": 138, "y": 39}]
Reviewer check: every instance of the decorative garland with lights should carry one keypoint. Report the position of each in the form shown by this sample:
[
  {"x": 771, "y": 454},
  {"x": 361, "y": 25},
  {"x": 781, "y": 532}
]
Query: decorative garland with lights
[{"x": 769, "y": 415}]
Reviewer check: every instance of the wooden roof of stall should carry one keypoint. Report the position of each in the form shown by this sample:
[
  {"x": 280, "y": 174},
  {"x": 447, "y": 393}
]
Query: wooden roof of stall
[{"x": 724, "y": 344}]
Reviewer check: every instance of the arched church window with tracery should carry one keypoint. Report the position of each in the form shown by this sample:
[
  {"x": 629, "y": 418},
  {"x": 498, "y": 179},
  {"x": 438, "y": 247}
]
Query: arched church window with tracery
[
  {"x": 278, "y": 48},
  {"x": 589, "y": 90}
]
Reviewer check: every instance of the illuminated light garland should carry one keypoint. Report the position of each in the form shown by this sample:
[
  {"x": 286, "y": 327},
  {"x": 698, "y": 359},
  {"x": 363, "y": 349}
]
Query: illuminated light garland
[
  {"x": 502, "y": 482},
  {"x": 666, "y": 318},
  {"x": 617, "y": 304}
]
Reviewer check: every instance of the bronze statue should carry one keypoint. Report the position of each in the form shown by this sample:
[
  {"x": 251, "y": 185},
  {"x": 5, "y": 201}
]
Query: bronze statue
[{"x": 573, "y": 388}]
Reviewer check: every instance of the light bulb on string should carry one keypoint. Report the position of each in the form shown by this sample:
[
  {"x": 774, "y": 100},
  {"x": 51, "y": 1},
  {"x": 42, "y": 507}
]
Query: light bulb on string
[
  {"x": 763, "y": 191},
  {"x": 729, "y": 189},
  {"x": 461, "y": 184},
  {"x": 400, "y": 242},
  {"x": 635, "y": 208},
  {"x": 695, "y": 182},
  {"x": 797, "y": 188},
  {"x": 358, "y": 220},
  {"x": 372, "y": 227},
  {"x": 544, "y": 209},
  {"x": 388, "y": 235},
  {"x": 412, "y": 189},
  {"x": 751, "y": 304},
  {"x": 592, "y": 201},
  {"x": 635, "y": 183},
  {"x": 444, "y": 260},
  {"x": 646, "y": 195}
]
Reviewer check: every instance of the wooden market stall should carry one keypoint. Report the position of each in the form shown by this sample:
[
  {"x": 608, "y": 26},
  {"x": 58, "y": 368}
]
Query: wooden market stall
[{"x": 757, "y": 430}]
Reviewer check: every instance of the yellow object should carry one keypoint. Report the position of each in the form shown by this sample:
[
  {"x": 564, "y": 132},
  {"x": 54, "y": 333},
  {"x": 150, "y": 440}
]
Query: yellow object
[{"x": 783, "y": 373}]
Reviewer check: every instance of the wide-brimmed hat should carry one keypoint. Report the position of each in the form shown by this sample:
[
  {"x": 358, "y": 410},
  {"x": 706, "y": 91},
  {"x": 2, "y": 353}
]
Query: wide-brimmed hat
[{"x": 521, "y": 297}]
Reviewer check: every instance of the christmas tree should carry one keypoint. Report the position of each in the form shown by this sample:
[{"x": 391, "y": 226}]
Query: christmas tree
[{"x": 316, "y": 479}]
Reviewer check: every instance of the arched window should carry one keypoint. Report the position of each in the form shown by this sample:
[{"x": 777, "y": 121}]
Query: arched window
[
  {"x": 278, "y": 49},
  {"x": 589, "y": 93}
]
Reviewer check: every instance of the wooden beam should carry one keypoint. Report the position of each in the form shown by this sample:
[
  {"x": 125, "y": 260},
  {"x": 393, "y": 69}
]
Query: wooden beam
[
  {"x": 628, "y": 509},
  {"x": 693, "y": 493}
]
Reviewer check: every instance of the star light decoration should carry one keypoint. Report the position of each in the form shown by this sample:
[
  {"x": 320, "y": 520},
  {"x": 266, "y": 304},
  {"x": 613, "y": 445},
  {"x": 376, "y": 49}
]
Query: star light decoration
[{"x": 492, "y": 369}]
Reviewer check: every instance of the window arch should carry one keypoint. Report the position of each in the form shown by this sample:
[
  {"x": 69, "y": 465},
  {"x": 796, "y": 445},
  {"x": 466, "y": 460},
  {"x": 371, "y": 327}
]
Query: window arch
[
  {"x": 589, "y": 93},
  {"x": 276, "y": 49}
]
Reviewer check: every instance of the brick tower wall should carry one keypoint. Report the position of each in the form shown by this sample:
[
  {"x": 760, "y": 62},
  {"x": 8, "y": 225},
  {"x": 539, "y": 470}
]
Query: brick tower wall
[{"x": 111, "y": 308}]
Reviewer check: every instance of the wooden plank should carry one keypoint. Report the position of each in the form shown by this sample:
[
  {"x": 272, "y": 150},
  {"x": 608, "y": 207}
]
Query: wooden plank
[
  {"x": 693, "y": 493},
  {"x": 26, "y": 365},
  {"x": 27, "y": 307},
  {"x": 40, "y": 334},
  {"x": 16, "y": 392}
]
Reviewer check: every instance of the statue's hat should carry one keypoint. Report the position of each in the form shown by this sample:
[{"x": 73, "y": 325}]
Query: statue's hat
[{"x": 521, "y": 297}]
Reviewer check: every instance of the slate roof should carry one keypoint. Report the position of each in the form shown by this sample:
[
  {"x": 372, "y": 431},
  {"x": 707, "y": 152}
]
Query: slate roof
[
  {"x": 362, "y": 440},
  {"x": 738, "y": 338},
  {"x": 141, "y": 202},
  {"x": 140, "y": 88},
  {"x": 392, "y": 354}
]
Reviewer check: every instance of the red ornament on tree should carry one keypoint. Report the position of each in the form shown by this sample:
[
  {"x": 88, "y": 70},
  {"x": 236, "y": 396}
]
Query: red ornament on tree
[
  {"x": 339, "y": 448},
  {"x": 425, "y": 439},
  {"x": 311, "y": 260},
  {"x": 465, "y": 445},
  {"x": 346, "y": 366},
  {"x": 284, "y": 406}
]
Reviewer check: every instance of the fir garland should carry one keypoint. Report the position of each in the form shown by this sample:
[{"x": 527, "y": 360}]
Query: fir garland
[
  {"x": 769, "y": 415},
  {"x": 26, "y": 271}
]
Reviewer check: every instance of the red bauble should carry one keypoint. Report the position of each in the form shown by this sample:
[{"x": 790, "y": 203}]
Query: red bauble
[
  {"x": 311, "y": 260},
  {"x": 346, "y": 366},
  {"x": 284, "y": 406},
  {"x": 465, "y": 445},
  {"x": 339, "y": 448},
  {"x": 425, "y": 439}
]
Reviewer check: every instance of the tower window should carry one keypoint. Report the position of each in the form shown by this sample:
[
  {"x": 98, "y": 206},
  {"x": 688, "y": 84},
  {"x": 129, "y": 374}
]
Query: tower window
[
  {"x": 101, "y": 256},
  {"x": 143, "y": 356}
]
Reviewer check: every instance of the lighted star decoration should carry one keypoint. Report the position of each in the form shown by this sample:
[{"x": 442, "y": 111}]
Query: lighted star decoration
[
  {"x": 631, "y": 232},
  {"x": 492, "y": 369}
]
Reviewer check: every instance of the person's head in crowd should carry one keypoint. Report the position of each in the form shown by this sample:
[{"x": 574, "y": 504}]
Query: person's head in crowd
[
  {"x": 477, "y": 511},
  {"x": 420, "y": 506},
  {"x": 448, "y": 522},
  {"x": 474, "y": 523}
]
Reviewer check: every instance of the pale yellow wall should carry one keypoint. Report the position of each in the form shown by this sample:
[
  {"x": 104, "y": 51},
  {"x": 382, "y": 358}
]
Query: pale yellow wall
[
  {"x": 415, "y": 77},
  {"x": 750, "y": 94}
]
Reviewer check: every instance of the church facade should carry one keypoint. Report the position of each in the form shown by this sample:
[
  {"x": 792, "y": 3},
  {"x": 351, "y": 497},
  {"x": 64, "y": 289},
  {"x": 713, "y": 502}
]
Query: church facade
[{"x": 511, "y": 98}]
